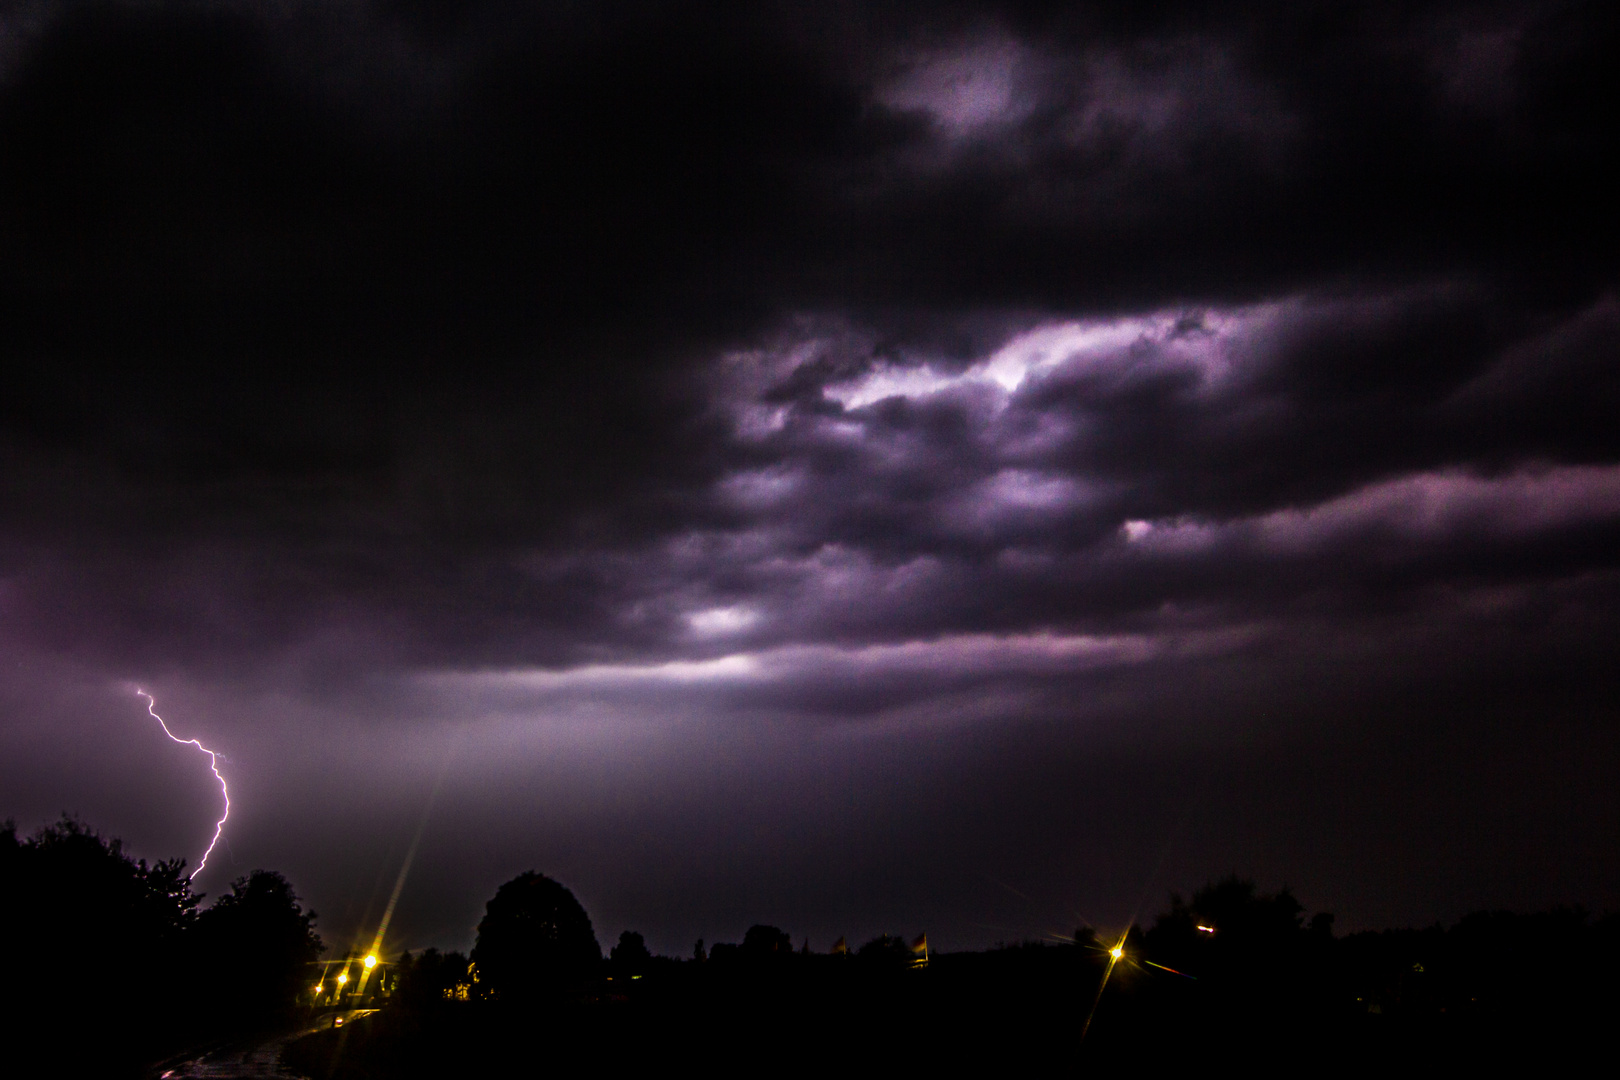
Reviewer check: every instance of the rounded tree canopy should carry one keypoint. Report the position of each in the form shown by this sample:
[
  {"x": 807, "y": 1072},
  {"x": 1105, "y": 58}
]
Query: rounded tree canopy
[{"x": 534, "y": 937}]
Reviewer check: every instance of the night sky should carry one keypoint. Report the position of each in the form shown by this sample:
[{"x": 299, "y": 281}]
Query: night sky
[{"x": 863, "y": 468}]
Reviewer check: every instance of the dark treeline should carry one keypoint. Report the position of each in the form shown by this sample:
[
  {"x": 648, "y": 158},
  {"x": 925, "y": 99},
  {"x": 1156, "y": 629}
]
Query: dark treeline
[
  {"x": 110, "y": 964},
  {"x": 1232, "y": 974}
]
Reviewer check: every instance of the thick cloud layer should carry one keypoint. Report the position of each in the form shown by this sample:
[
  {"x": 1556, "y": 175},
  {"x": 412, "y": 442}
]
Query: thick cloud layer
[{"x": 805, "y": 465}]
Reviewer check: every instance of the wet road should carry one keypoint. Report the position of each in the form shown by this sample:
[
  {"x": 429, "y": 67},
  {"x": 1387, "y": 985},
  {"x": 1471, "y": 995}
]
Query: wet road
[{"x": 259, "y": 1062}]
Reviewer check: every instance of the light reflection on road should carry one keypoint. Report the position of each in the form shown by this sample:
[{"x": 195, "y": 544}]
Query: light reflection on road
[{"x": 260, "y": 1062}]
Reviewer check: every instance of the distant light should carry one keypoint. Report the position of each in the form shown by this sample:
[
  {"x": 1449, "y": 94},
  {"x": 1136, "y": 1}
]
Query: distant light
[
  {"x": 319, "y": 987},
  {"x": 371, "y": 962},
  {"x": 1117, "y": 952},
  {"x": 343, "y": 978},
  {"x": 1206, "y": 929}
]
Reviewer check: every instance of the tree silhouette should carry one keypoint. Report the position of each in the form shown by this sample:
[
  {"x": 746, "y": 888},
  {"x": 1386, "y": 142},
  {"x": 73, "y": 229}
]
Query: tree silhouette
[
  {"x": 1250, "y": 955},
  {"x": 885, "y": 952},
  {"x": 630, "y": 956},
  {"x": 91, "y": 907},
  {"x": 534, "y": 940},
  {"x": 85, "y": 924},
  {"x": 761, "y": 941},
  {"x": 259, "y": 945},
  {"x": 1229, "y": 923}
]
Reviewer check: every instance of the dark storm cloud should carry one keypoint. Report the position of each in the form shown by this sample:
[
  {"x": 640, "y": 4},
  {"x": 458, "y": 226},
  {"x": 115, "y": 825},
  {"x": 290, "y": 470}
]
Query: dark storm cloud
[
  {"x": 1091, "y": 471},
  {"x": 464, "y": 305},
  {"x": 524, "y": 378}
]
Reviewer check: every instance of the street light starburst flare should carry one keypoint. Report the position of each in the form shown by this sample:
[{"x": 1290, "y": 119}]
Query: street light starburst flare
[
  {"x": 1115, "y": 955},
  {"x": 213, "y": 764}
]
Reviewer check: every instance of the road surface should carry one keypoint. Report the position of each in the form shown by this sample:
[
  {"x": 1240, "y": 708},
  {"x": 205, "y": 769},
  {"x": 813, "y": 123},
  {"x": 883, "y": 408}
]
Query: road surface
[{"x": 256, "y": 1062}]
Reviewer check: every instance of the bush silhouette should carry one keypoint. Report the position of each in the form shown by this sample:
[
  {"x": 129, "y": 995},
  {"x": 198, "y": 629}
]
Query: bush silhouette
[{"x": 430, "y": 980}]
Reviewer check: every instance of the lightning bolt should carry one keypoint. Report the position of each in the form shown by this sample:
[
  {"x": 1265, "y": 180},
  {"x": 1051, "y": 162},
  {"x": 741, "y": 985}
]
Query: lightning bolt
[{"x": 213, "y": 764}]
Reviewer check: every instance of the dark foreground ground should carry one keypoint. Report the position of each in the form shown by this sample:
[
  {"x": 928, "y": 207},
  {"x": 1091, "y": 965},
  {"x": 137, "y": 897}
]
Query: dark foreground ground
[{"x": 985, "y": 1012}]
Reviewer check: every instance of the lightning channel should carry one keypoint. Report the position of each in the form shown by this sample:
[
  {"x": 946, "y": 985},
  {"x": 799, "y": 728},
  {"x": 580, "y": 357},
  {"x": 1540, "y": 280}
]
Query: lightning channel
[{"x": 213, "y": 764}]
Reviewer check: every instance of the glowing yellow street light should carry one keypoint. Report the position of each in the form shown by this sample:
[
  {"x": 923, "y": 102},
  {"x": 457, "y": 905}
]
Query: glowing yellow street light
[
  {"x": 371, "y": 962},
  {"x": 1115, "y": 955},
  {"x": 343, "y": 978}
]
